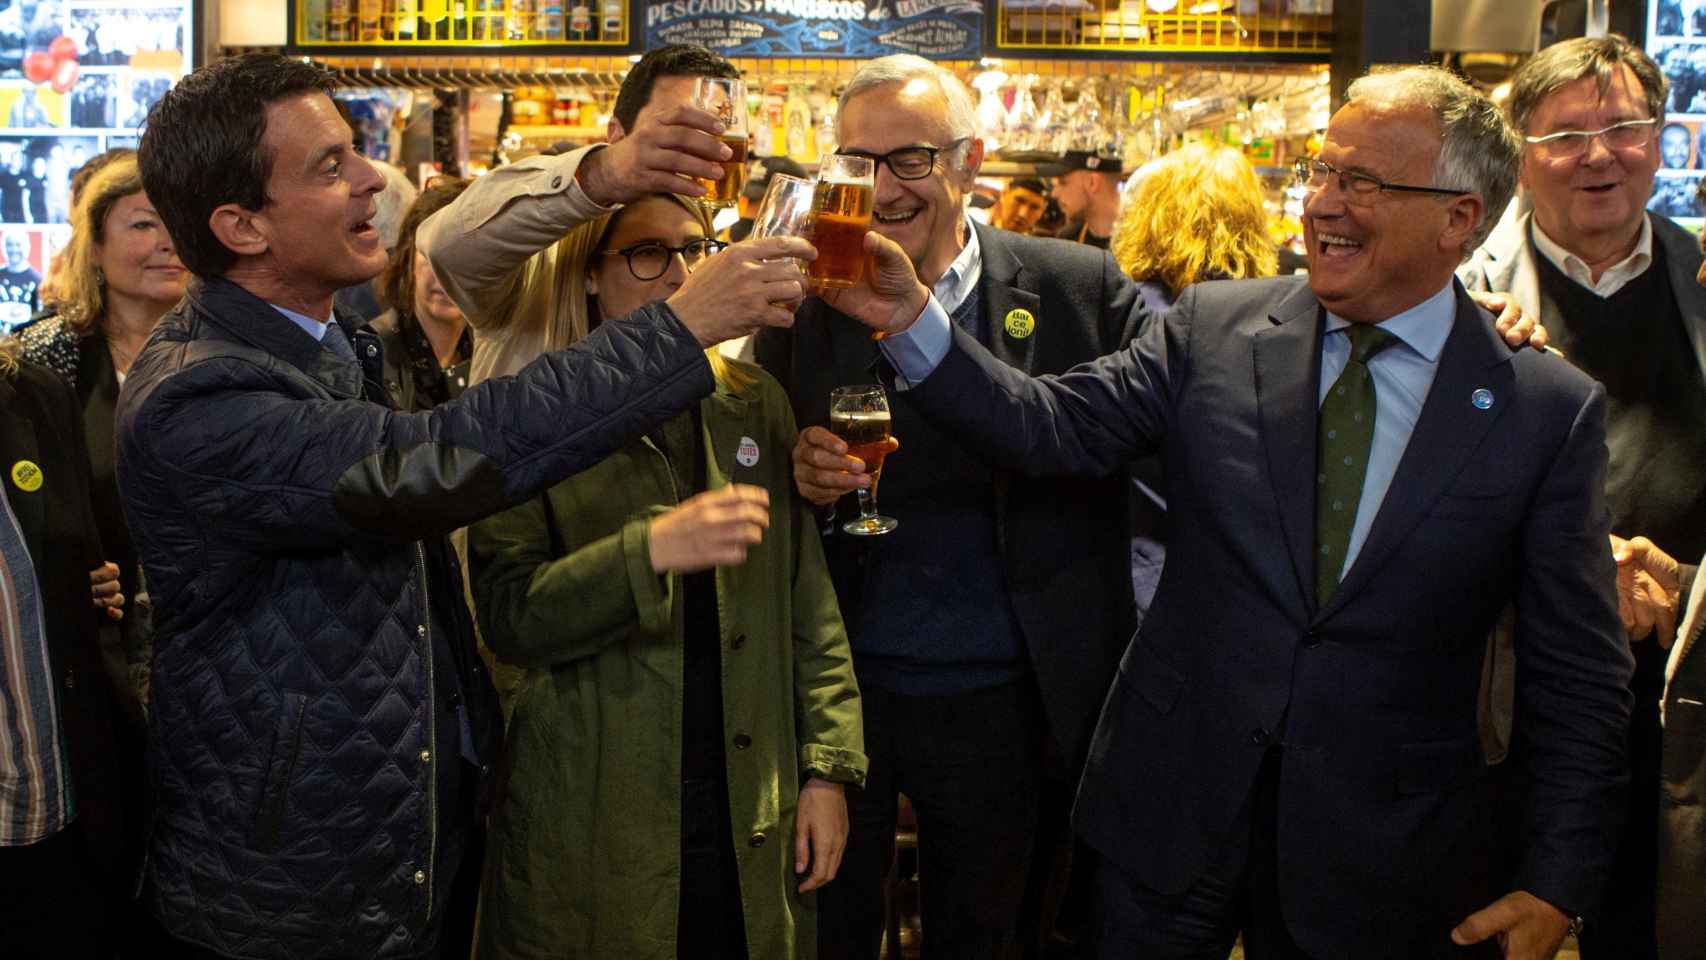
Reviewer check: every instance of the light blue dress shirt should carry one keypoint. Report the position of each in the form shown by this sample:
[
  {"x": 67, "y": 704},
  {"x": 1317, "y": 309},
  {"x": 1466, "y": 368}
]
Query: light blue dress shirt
[
  {"x": 314, "y": 328},
  {"x": 956, "y": 284},
  {"x": 1402, "y": 374}
]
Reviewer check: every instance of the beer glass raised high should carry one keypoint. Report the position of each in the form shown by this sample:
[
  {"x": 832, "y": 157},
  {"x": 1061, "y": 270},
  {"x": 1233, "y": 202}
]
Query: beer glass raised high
[
  {"x": 726, "y": 98},
  {"x": 841, "y": 217}
]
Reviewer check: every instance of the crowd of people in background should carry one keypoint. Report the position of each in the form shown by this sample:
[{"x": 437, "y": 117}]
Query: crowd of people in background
[{"x": 396, "y": 570}]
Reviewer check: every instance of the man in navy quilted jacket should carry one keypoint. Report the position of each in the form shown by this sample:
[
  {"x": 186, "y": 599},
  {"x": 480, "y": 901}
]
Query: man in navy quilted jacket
[{"x": 321, "y": 727}]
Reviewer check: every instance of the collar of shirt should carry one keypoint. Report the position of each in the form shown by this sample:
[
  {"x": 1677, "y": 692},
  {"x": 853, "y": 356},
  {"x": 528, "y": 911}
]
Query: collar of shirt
[
  {"x": 962, "y": 275},
  {"x": 1423, "y": 328},
  {"x": 1613, "y": 279},
  {"x": 314, "y": 328}
]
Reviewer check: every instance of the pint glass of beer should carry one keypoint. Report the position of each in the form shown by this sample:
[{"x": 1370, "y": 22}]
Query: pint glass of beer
[
  {"x": 727, "y": 99},
  {"x": 841, "y": 218},
  {"x": 859, "y": 415}
]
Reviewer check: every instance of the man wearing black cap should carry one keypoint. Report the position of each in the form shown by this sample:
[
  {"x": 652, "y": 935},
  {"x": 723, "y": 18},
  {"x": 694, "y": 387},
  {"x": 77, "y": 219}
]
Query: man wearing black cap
[
  {"x": 753, "y": 194},
  {"x": 1087, "y": 187}
]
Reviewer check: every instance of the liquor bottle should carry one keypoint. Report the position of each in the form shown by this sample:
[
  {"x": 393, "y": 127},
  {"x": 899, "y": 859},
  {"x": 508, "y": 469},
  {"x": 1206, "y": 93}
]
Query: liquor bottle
[
  {"x": 405, "y": 28},
  {"x": 580, "y": 21},
  {"x": 613, "y": 17},
  {"x": 551, "y": 20},
  {"x": 371, "y": 11},
  {"x": 313, "y": 26}
]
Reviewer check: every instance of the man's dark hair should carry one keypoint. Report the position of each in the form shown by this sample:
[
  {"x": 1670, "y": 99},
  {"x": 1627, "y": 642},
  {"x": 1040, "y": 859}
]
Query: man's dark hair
[
  {"x": 675, "y": 60},
  {"x": 1028, "y": 183},
  {"x": 201, "y": 148}
]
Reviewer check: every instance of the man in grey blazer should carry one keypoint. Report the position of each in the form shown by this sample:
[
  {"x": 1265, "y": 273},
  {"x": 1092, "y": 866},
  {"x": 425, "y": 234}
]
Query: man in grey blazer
[
  {"x": 1372, "y": 476},
  {"x": 1615, "y": 285}
]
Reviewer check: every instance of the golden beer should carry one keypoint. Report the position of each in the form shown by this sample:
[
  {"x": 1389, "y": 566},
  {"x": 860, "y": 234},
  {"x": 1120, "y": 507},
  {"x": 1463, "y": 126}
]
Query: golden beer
[
  {"x": 842, "y": 217},
  {"x": 866, "y": 433},
  {"x": 725, "y": 192}
]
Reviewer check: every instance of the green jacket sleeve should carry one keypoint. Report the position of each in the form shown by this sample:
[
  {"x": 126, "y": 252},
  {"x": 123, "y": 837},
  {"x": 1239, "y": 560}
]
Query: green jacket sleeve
[
  {"x": 537, "y": 609},
  {"x": 826, "y": 693}
]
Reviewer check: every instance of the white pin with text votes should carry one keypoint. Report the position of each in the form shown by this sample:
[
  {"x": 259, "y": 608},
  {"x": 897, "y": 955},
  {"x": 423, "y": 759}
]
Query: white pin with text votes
[
  {"x": 1482, "y": 398},
  {"x": 747, "y": 453}
]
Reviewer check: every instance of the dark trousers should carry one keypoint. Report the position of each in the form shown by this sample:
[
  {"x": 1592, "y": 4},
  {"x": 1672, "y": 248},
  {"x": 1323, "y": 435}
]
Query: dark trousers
[
  {"x": 54, "y": 900},
  {"x": 970, "y": 763},
  {"x": 1240, "y": 892},
  {"x": 1626, "y": 928},
  {"x": 710, "y": 924}
]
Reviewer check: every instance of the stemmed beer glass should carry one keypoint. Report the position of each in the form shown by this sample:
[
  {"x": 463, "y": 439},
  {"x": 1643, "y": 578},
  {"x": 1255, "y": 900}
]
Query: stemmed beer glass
[{"x": 859, "y": 415}]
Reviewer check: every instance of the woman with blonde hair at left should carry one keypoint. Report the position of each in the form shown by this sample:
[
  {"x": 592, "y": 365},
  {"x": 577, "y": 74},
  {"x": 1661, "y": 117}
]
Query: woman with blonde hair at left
[{"x": 673, "y": 771}]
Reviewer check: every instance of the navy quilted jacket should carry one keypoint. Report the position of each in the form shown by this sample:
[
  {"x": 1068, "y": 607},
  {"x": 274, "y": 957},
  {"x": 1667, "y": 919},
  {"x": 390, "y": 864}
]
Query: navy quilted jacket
[{"x": 292, "y": 534}]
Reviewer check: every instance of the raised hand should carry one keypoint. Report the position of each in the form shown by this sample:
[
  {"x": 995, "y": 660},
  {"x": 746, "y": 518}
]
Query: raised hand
[
  {"x": 658, "y": 156},
  {"x": 710, "y": 530},
  {"x": 889, "y": 296},
  {"x": 752, "y": 284}
]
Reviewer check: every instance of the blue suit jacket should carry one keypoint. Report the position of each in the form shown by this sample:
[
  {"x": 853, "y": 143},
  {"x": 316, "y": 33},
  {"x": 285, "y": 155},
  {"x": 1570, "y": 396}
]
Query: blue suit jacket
[{"x": 1383, "y": 830}]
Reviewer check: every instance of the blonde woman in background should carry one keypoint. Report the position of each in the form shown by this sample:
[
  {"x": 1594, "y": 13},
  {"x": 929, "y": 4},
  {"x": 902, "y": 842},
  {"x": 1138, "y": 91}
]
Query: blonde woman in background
[
  {"x": 1191, "y": 215},
  {"x": 675, "y": 760}
]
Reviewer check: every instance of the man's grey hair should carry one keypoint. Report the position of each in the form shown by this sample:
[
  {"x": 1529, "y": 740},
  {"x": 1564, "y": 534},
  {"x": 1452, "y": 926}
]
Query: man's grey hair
[
  {"x": 1564, "y": 63},
  {"x": 903, "y": 68},
  {"x": 1478, "y": 151}
]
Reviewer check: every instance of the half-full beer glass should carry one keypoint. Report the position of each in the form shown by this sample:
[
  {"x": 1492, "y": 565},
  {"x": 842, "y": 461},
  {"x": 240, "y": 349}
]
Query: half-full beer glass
[
  {"x": 841, "y": 218},
  {"x": 859, "y": 415},
  {"x": 726, "y": 98}
]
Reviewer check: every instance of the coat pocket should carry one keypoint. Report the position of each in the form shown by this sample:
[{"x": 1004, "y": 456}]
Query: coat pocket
[
  {"x": 1436, "y": 766},
  {"x": 1156, "y": 680},
  {"x": 281, "y": 766}
]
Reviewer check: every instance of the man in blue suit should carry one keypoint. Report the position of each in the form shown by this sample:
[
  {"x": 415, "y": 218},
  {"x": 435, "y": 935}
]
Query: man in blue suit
[{"x": 1362, "y": 476}]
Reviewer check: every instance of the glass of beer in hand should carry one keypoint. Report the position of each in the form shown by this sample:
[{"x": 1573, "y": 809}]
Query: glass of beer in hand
[
  {"x": 726, "y": 98},
  {"x": 841, "y": 218},
  {"x": 860, "y": 417}
]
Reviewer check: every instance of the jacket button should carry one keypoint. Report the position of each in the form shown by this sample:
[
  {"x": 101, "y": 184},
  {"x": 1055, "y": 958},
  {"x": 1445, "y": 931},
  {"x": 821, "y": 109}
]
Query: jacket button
[
  {"x": 742, "y": 741},
  {"x": 556, "y": 182},
  {"x": 420, "y": 877},
  {"x": 420, "y": 631},
  {"x": 755, "y": 841},
  {"x": 426, "y": 755},
  {"x": 1312, "y": 639},
  {"x": 70, "y": 679},
  {"x": 373, "y": 350},
  {"x": 738, "y": 642},
  {"x": 1259, "y": 737}
]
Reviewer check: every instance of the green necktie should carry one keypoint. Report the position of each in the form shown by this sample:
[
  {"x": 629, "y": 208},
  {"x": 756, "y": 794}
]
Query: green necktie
[{"x": 1342, "y": 443}]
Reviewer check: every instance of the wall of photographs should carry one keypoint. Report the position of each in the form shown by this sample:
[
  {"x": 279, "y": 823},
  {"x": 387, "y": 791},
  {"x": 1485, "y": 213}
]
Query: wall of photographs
[
  {"x": 76, "y": 78},
  {"x": 1676, "y": 38}
]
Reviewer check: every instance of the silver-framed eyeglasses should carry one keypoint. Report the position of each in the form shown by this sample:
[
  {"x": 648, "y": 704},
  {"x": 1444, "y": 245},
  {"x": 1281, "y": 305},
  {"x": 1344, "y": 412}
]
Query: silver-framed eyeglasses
[
  {"x": 649, "y": 259},
  {"x": 907, "y": 163},
  {"x": 1574, "y": 143},
  {"x": 1313, "y": 174}
]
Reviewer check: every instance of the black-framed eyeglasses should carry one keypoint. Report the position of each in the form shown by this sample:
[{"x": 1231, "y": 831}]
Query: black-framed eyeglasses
[
  {"x": 907, "y": 163},
  {"x": 1574, "y": 143},
  {"x": 649, "y": 259},
  {"x": 1312, "y": 175}
]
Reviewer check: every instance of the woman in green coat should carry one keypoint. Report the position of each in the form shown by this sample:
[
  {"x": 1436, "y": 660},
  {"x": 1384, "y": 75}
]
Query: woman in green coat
[{"x": 675, "y": 761}]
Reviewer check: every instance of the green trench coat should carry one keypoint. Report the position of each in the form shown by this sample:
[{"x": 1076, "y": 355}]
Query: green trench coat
[{"x": 584, "y": 856}]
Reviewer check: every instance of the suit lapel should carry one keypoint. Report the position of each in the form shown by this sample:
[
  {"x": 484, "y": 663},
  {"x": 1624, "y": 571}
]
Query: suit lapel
[
  {"x": 1287, "y": 366},
  {"x": 1002, "y": 296},
  {"x": 17, "y": 444},
  {"x": 1448, "y": 431}
]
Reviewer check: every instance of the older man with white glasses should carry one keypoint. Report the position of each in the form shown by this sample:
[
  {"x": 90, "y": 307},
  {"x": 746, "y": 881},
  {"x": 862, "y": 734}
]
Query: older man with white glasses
[{"x": 1615, "y": 285}]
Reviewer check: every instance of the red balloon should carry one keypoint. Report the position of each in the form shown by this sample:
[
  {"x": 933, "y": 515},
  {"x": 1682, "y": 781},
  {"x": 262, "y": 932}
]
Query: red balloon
[
  {"x": 38, "y": 66},
  {"x": 65, "y": 76},
  {"x": 62, "y": 48}
]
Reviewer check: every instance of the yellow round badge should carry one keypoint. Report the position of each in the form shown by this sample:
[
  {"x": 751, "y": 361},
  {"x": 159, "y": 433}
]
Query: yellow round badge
[
  {"x": 1019, "y": 323},
  {"x": 27, "y": 476}
]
